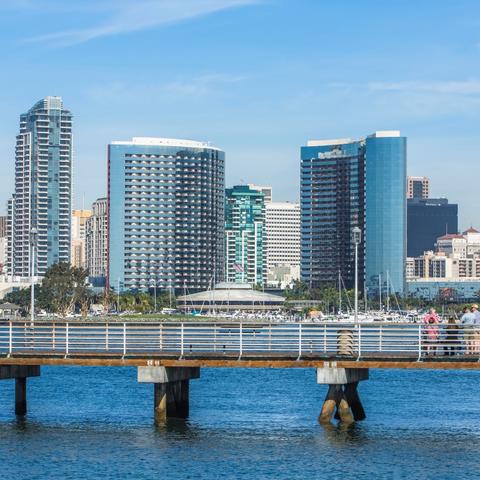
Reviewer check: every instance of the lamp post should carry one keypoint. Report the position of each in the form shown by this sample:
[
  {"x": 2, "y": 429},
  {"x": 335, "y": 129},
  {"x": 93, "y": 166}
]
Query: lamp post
[
  {"x": 33, "y": 246},
  {"x": 356, "y": 238}
]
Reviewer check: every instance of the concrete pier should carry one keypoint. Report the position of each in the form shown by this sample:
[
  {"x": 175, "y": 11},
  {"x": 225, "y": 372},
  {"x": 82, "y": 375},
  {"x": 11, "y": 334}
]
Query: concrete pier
[
  {"x": 171, "y": 390},
  {"x": 20, "y": 373},
  {"x": 342, "y": 393}
]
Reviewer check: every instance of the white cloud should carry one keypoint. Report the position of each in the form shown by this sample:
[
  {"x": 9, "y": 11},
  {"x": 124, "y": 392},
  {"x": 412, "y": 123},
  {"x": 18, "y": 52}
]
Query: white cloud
[
  {"x": 197, "y": 86},
  {"x": 133, "y": 15},
  {"x": 463, "y": 87}
]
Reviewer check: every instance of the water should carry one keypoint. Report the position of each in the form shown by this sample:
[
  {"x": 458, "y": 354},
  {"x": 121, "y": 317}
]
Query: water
[{"x": 89, "y": 423}]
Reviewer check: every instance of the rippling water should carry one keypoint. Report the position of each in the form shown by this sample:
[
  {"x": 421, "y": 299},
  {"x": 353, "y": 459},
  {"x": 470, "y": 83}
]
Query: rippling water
[{"x": 97, "y": 423}]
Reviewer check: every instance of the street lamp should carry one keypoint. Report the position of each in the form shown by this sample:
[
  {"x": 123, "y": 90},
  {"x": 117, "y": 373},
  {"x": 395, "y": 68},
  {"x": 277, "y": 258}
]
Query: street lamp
[
  {"x": 356, "y": 239},
  {"x": 33, "y": 246}
]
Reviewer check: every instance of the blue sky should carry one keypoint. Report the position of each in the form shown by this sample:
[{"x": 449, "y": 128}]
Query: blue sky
[{"x": 255, "y": 77}]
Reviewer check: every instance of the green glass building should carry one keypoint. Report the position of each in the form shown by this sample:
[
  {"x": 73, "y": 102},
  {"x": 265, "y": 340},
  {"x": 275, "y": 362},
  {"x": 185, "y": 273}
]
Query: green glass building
[{"x": 245, "y": 236}]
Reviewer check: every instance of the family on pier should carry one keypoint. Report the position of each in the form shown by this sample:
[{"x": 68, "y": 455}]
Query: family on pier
[{"x": 460, "y": 337}]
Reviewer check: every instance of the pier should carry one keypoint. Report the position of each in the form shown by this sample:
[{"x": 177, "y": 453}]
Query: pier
[{"x": 170, "y": 354}]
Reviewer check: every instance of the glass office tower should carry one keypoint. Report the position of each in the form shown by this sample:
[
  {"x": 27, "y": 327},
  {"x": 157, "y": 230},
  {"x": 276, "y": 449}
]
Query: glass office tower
[
  {"x": 43, "y": 188},
  {"x": 166, "y": 214},
  {"x": 344, "y": 184}
]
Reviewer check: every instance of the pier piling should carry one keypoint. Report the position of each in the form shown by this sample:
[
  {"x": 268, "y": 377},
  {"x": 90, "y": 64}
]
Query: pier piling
[
  {"x": 20, "y": 373},
  {"x": 342, "y": 394},
  {"x": 171, "y": 390}
]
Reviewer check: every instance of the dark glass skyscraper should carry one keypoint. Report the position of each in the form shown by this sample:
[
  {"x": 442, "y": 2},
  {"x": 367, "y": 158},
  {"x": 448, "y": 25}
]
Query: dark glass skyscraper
[
  {"x": 346, "y": 183},
  {"x": 429, "y": 219}
]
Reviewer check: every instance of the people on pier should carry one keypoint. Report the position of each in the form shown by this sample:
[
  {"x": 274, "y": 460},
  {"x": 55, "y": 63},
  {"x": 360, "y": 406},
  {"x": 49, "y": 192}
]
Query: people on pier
[
  {"x": 432, "y": 334},
  {"x": 452, "y": 337},
  {"x": 468, "y": 323},
  {"x": 476, "y": 329}
]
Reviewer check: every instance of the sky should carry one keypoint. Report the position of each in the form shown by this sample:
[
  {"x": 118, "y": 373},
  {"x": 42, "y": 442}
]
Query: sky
[{"x": 257, "y": 78}]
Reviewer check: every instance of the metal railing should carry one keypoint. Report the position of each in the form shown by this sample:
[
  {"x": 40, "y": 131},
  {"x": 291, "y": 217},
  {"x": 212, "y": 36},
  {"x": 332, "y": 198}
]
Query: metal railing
[{"x": 292, "y": 340}]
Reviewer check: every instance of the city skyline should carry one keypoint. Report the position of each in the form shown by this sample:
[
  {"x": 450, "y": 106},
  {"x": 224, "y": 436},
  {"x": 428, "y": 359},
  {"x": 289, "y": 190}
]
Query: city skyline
[{"x": 270, "y": 92}]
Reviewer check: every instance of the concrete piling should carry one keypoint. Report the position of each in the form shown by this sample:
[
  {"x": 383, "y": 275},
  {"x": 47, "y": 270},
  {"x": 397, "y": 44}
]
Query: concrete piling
[
  {"x": 342, "y": 394},
  {"x": 20, "y": 373},
  {"x": 171, "y": 390}
]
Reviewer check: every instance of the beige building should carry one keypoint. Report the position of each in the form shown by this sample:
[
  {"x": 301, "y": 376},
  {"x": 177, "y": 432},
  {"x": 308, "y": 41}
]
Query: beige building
[
  {"x": 96, "y": 239},
  {"x": 79, "y": 221},
  {"x": 418, "y": 187},
  {"x": 282, "y": 228}
]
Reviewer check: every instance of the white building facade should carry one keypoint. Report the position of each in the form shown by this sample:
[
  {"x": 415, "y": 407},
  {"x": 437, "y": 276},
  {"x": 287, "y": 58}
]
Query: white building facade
[{"x": 282, "y": 227}]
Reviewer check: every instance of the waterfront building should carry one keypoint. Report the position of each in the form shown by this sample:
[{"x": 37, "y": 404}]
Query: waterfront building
[
  {"x": 245, "y": 259},
  {"x": 96, "y": 239},
  {"x": 457, "y": 257},
  {"x": 79, "y": 222},
  {"x": 230, "y": 297},
  {"x": 265, "y": 189},
  {"x": 166, "y": 214},
  {"x": 43, "y": 189},
  {"x": 3, "y": 244},
  {"x": 458, "y": 290},
  {"x": 418, "y": 187},
  {"x": 354, "y": 183},
  {"x": 428, "y": 219},
  {"x": 282, "y": 239}
]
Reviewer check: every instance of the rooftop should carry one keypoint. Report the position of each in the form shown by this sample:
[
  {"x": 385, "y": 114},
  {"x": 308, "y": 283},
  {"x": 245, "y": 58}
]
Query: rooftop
[{"x": 165, "y": 142}]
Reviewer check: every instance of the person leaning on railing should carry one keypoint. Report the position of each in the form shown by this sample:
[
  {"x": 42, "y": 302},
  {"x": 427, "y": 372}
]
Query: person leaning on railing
[
  {"x": 468, "y": 324},
  {"x": 452, "y": 337},
  {"x": 432, "y": 333}
]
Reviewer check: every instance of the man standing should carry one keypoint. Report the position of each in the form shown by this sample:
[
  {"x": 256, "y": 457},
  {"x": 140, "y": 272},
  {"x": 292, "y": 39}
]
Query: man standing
[
  {"x": 476, "y": 329},
  {"x": 468, "y": 322}
]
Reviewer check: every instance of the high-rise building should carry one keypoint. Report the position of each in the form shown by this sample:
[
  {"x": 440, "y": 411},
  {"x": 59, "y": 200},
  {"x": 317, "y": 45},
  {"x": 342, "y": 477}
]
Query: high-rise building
[
  {"x": 428, "y": 219},
  {"x": 245, "y": 260},
  {"x": 346, "y": 184},
  {"x": 166, "y": 214},
  {"x": 43, "y": 188},
  {"x": 265, "y": 189},
  {"x": 3, "y": 244},
  {"x": 79, "y": 222},
  {"x": 96, "y": 239},
  {"x": 282, "y": 239},
  {"x": 418, "y": 187}
]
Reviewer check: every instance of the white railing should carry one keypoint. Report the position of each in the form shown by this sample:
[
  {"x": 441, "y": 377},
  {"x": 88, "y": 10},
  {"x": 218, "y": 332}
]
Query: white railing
[{"x": 270, "y": 340}]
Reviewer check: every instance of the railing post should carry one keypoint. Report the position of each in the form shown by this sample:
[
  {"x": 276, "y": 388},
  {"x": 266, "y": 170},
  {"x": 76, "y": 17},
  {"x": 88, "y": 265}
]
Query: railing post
[
  {"x": 10, "y": 338},
  {"x": 325, "y": 338},
  {"x": 380, "y": 338},
  {"x": 161, "y": 336},
  {"x": 53, "y": 336},
  {"x": 106, "y": 337},
  {"x": 419, "y": 342},
  {"x": 67, "y": 347},
  {"x": 359, "y": 327},
  {"x": 240, "y": 331},
  {"x": 181, "y": 341},
  {"x": 299, "y": 341},
  {"x": 214, "y": 337},
  {"x": 124, "y": 339}
]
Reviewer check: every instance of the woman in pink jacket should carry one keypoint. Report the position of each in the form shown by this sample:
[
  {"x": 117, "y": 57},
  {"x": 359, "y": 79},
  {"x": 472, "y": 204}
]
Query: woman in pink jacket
[{"x": 432, "y": 332}]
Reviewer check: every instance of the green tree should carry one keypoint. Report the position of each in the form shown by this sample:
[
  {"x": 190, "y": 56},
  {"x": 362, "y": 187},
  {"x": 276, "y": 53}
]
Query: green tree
[{"x": 63, "y": 287}]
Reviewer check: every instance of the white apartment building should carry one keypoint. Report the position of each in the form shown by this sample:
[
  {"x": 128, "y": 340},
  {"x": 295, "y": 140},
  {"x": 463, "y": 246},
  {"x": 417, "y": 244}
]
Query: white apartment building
[
  {"x": 265, "y": 189},
  {"x": 282, "y": 227},
  {"x": 40, "y": 208},
  {"x": 457, "y": 257},
  {"x": 96, "y": 239}
]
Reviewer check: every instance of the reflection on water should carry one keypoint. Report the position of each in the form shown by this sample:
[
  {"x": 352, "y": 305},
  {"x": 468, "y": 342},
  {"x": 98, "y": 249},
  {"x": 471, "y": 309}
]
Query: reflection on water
[{"x": 98, "y": 422}]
